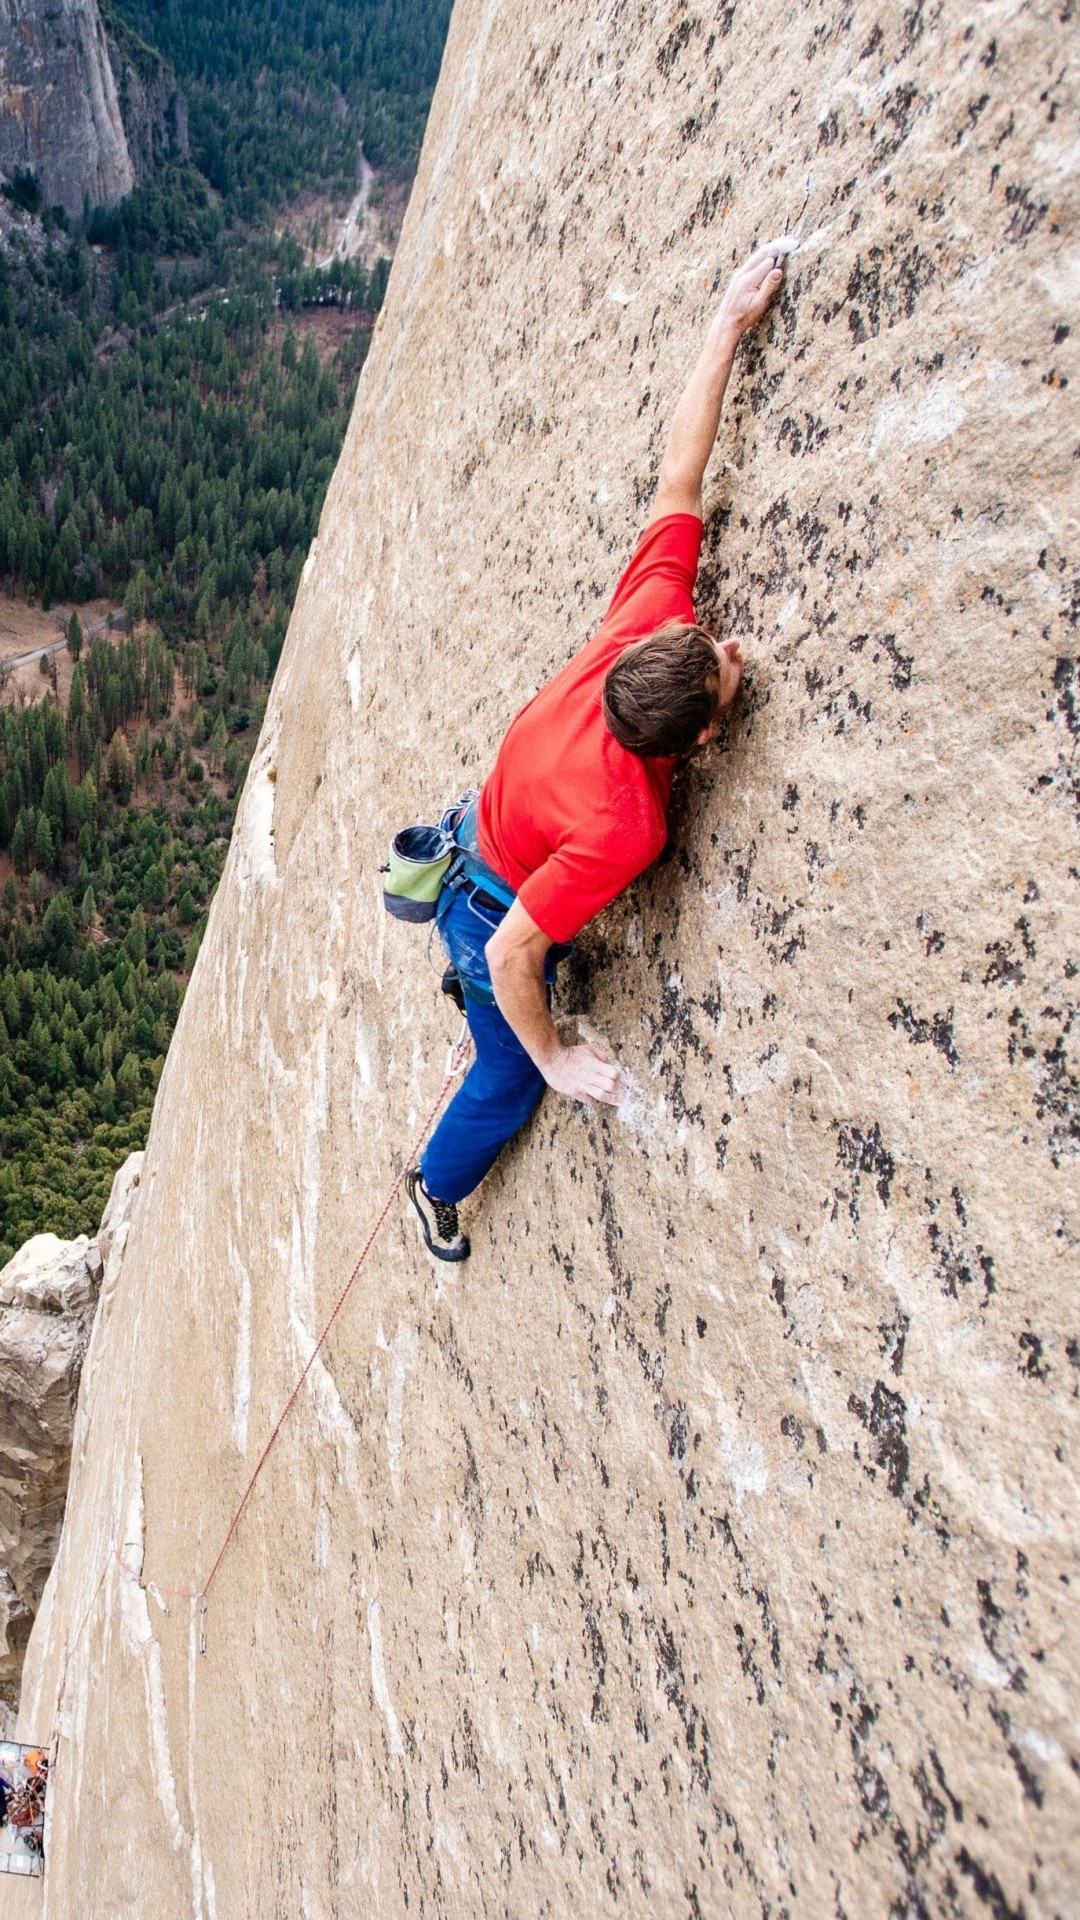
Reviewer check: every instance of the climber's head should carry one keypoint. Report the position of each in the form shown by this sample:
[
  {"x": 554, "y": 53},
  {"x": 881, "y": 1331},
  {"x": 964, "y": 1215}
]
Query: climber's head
[{"x": 665, "y": 694}]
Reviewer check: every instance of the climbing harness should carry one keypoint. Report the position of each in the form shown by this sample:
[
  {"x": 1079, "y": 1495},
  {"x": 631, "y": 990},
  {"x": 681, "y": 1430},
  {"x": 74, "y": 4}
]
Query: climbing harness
[
  {"x": 200, "y": 1596},
  {"x": 473, "y": 870}
]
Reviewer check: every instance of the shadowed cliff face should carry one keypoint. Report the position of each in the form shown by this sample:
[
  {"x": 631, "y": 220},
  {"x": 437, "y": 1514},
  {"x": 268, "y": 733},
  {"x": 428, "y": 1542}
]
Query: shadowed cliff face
[
  {"x": 705, "y": 1545},
  {"x": 152, "y": 107},
  {"x": 59, "y": 114}
]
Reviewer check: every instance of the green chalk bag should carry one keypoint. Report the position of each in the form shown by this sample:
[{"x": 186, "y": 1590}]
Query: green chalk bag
[{"x": 415, "y": 871}]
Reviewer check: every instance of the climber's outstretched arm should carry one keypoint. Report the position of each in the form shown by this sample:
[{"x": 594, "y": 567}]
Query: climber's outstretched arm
[
  {"x": 515, "y": 957},
  {"x": 697, "y": 416}
]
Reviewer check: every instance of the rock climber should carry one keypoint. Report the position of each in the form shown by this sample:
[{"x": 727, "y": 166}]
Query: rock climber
[{"x": 576, "y": 805}]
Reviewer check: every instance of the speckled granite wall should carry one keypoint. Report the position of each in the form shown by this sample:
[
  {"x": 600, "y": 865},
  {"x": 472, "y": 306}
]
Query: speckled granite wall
[{"x": 706, "y": 1546}]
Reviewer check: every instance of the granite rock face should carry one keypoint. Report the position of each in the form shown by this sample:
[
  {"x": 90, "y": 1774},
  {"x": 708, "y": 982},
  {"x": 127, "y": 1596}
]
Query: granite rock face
[
  {"x": 706, "y": 1546},
  {"x": 59, "y": 112},
  {"x": 48, "y": 1297}
]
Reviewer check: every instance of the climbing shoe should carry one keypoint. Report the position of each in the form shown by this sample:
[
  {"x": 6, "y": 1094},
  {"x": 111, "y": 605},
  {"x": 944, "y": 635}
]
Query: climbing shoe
[{"x": 438, "y": 1220}]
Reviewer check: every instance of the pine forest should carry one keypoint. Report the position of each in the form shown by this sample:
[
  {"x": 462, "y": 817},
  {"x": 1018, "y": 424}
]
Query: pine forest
[{"x": 176, "y": 375}]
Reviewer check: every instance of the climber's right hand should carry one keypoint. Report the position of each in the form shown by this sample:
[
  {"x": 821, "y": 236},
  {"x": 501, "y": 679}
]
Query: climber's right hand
[{"x": 583, "y": 1074}]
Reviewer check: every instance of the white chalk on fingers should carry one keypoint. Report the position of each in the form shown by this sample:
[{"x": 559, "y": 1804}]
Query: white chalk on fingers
[
  {"x": 813, "y": 242},
  {"x": 778, "y": 246}
]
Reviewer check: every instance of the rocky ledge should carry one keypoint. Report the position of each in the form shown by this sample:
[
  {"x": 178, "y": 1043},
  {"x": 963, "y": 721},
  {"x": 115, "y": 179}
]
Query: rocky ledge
[{"x": 49, "y": 1295}]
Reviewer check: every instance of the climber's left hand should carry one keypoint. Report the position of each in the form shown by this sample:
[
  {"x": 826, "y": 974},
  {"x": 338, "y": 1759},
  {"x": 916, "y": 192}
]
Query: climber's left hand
[{"x": 751, "y": 290}]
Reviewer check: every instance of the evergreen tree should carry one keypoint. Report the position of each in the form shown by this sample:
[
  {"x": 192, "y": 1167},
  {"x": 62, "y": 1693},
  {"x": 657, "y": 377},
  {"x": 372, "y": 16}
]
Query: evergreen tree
[
  {"x": 135, "y": 938},
  {"x": 21, "y": 842},
  {"x": 128, "y": 1079},
  {"x": 76, "y": 699},
  {"x": 219, "y": 738},
  {"x": 143, "y": 757},
  {"x": 58, "y": 926},
  {"x": 119, "y": 767}
]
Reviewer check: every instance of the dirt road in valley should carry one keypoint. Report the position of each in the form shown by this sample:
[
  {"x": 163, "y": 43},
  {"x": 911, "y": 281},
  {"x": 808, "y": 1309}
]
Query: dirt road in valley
[
  {"x": 23, "y": 659},
  {"x": 353, "y": 234},
  {"x": 28, "y": 634}
]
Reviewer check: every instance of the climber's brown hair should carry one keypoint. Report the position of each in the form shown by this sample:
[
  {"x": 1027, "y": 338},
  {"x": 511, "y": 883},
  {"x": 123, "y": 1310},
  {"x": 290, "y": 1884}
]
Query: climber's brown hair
[{"x": 662, "y": 692}]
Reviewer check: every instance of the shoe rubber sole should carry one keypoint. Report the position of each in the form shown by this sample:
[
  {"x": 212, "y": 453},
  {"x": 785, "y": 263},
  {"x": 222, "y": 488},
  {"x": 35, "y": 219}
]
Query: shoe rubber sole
[{"x": 412, "y": 1182}]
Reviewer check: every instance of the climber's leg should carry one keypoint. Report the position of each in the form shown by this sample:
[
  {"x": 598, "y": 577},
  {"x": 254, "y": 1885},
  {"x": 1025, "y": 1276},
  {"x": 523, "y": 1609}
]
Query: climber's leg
[{"x": 498, "y": 1094}]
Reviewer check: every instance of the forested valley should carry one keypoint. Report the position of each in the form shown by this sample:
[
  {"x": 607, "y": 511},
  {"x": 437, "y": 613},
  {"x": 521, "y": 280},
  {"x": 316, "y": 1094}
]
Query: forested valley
[{"x": 171, "y": 409}]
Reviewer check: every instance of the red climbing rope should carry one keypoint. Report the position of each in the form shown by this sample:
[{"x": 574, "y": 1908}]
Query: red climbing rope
[
  {"x": 454, "y": 1062},
  {"x": 395, "y": 1189},
  {"x": 73, "y": 1644}
]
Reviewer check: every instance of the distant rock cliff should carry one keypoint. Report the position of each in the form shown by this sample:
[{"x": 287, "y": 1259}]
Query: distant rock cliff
[
  {"x": 59, "y": 111},
  {"x": 152, "y": 105},
  {"x": 87, "y": 108},
  {"x": 707, "y": 1545}
]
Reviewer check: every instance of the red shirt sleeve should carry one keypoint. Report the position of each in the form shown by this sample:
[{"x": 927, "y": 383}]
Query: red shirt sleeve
[
  {"x": 658, "y": 584},
  {"x": 584, "y": 874}
]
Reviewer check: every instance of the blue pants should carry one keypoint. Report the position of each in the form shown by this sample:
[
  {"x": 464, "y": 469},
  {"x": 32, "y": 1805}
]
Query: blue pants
[{"x": 502, "y": 1087}]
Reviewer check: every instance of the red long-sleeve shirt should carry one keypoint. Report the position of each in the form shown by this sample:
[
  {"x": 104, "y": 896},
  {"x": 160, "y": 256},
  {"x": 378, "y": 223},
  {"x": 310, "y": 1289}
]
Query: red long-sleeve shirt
[{"x": 568, "y": 816}]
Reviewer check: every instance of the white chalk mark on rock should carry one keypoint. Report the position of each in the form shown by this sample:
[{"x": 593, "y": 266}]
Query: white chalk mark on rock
[
  {"x": 744, "y": 1463},
  {"x": 379, "y": 1685},
  {"x": 404, "y": 1350},
  {"x": 138, "y": 1635},
  {"x": 242, "y": 1369},
  {"x": 935, "y": 417}
]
